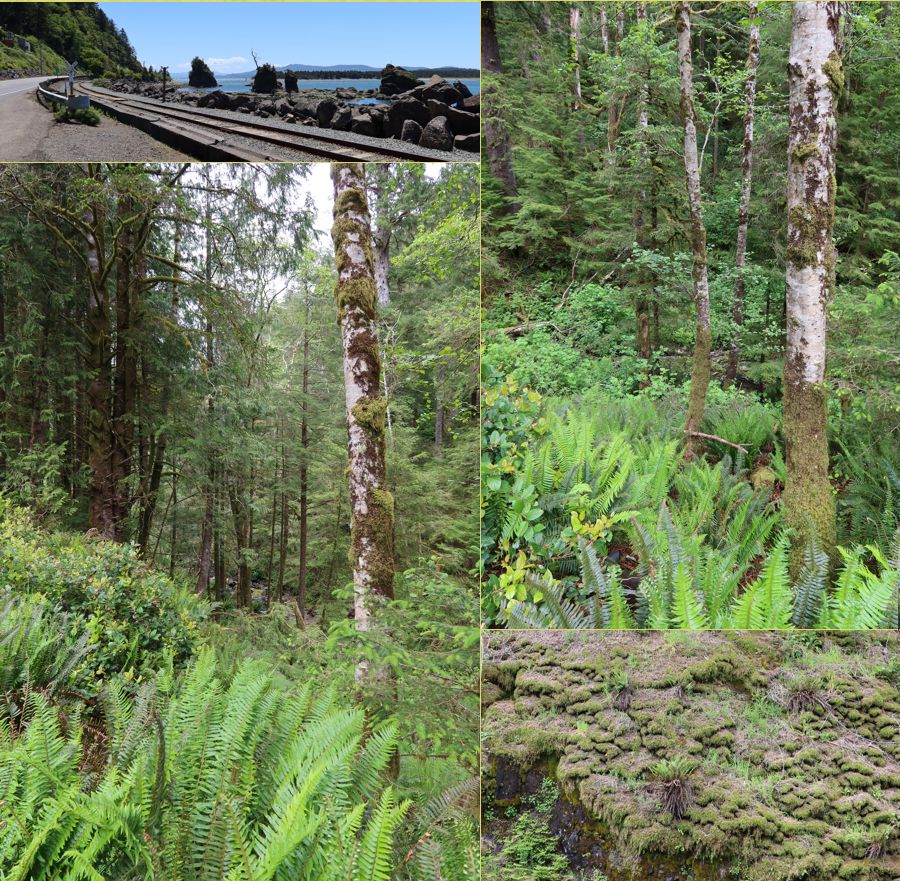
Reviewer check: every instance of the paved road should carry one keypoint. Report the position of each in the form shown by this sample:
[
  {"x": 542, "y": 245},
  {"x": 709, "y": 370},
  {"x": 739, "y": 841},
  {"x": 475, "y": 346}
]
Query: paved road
[
  {"x": 10, "y": 87},
  {"x": 24, "y": 124},
  {"x": 29, "y": 133}
]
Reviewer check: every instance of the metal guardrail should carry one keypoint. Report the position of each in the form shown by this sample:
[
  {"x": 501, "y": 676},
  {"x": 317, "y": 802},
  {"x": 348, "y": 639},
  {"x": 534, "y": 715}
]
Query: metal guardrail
[{"x": 45, "y": 93}]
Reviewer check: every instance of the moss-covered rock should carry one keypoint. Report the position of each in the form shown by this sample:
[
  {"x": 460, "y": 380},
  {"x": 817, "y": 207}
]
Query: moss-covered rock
[{"x": 778, "y": 793}]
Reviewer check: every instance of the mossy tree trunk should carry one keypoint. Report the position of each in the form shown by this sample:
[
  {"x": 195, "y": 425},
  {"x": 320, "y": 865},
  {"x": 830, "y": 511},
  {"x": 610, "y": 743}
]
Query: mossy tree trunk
[
  {"x": 816, "y": 79},
  {"x": 702, "y": 335},
  {"x": 737, "y": 308},
  {"x": 642, "y": 305},
  {"x": 496, "y": 139},
  {"x": 372, "y": 507}
]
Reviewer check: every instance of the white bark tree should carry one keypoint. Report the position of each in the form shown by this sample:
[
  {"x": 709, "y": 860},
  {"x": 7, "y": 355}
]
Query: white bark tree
[
  {"x": 737, "y": 309},
  {"x": 816, "y": 78},
  {"x": 702, "y": 335},
  {"x": 371, "y": 505}
]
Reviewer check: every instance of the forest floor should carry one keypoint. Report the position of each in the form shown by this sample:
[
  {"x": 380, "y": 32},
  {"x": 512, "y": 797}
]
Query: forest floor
[{"x": 31, "y": 134}]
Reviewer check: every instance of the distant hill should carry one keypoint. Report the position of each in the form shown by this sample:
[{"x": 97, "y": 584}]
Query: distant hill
[
  {"x": 79, "y": 31},
  {"x": 347, "y": 71}
]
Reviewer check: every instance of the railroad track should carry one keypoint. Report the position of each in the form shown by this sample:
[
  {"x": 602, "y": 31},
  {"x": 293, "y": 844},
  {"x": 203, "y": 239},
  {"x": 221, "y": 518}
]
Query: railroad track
[{"x": 211, "y": 134}]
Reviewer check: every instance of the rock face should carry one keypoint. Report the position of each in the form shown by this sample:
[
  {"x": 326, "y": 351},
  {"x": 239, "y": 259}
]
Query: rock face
[
  {"x": 433, "y": 114},
  {"x": 395, "y": 80}
]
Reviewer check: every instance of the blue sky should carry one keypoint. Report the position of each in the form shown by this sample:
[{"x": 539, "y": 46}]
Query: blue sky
[{"x": 416, "y": 34}]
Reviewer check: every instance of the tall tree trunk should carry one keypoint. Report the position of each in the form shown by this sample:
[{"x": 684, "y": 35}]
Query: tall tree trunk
[
  {"x": 737, "y": 308},
  {"x": 604, "y": 29},
  {"x": 642, "y": 306},
  {"x": 150, "y": 494},
  {"x": 101, "y": 514},
  {"x": 131, "y": 267},
  {"x": 174, "y": 537},
  {"x": 702, "y": 334},
  {"x": 208, "y": 534},
  {"x": 372, "y": 506},
  {"x": 240, "y": 517},
  {"x": 496, "y": 138},
  {"x": 304, "y": 469},
  {"x": 439, "y": 411},
  {"x": 382, "y": 247},
  {"x": 575, "y": 38},
  {"x": 285, "y": 529},
  {"x": 815, "y": 75}
]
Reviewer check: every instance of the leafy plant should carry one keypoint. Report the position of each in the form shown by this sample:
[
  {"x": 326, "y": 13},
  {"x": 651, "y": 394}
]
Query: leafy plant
[{"x": 674, "y": 785}]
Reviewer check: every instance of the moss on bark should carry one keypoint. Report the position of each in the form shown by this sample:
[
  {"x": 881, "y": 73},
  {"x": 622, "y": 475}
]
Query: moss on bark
[
  {"x": 833, "y": 68},
  {"x": 700, "y": 372},
  {"x": 808, "y": 500},
  {"x": 369, "y": 413}
]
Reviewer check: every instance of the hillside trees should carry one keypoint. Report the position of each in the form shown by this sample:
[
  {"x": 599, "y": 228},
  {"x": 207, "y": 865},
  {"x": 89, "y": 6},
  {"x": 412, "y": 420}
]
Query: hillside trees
[{"x": 588, "y": 288}]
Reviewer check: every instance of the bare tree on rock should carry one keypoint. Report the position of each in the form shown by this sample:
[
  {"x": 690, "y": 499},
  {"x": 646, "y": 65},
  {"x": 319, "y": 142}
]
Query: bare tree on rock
[
  {"x": 702, "y": 334},
  {"x": 372, "y": 506},
  {"x": 737, "y": 309},
  {"x": 816, "y": 78}
]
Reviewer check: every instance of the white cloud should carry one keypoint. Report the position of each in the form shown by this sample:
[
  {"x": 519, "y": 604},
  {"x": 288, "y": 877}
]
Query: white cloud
[{"x": 238, "y": 62}]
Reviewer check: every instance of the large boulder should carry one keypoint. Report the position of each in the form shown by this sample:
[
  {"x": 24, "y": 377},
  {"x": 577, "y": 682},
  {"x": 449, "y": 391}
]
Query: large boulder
[
  {"x": 396, "y": 80},
  {"x": 438, "y": 89},
  {"x": 325, "y": 110},
  {"x": 217, "y": 100},
  {"x": 437, "y": 135},
  {"x": 403, "y": 109},
  {"x": 461, "y": 123},
  {"x": 469, "y": 143},
  {"x": 463, "y": 89},
  {"x": 362, "y": 124},
  {"x": 411, "y": 131},
  {"x": 290, "y": 81},
  {"x": 341, "y": 119},
  {"x": 472, "y": 104}
]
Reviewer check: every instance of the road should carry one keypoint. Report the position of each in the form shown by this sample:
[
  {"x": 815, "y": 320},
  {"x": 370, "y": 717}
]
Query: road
[
  {"x": 23, "y": 122},
  {"x": 29, "y": 133},
  {"x": 10, "y": 87}
]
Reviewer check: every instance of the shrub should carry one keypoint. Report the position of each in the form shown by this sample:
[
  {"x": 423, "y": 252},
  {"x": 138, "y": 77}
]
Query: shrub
[
  {"x": 85, "y": 115},
  {"x": 132, "y": 614}
]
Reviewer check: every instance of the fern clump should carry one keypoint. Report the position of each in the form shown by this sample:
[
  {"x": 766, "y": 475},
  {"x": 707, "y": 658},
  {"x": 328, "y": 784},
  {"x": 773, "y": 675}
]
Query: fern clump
[{"x": 205, "y": 778}]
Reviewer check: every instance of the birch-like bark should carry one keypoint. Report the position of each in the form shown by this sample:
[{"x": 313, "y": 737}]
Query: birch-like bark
[
  {"x": 816, "y": 78},
  {"x": 575, "y": 38},
  {"x": 496, "y": 138},
  {"x": 737, "y": 307},
  {"x": 702, "y": 336},
  {"x": 382, "y": 243},
  {"x": 604, "y": 29},
  {"x": 372, "y": 506}
]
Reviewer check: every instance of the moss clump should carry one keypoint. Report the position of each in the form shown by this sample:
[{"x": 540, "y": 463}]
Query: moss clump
[
  {"x": 351, "y": 199},
  {"x": 804, "y": 151},
  {"x": 356, "y": 293},
  {"x": 384, "y": 500},
  {"x": 369, "y": 414},
  {"x": 833, "y": 68}
]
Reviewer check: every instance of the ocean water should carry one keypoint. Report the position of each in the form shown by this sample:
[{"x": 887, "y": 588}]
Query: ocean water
[{"x": 241, "y": 84}]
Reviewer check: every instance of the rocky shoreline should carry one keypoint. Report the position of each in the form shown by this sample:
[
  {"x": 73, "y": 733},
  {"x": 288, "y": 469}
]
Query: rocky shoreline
[{"x": 436, "y": 114}]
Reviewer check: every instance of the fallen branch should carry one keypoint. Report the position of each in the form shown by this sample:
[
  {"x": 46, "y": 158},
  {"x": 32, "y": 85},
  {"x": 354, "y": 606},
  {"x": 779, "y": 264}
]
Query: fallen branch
[{"x": 714, "y": 437}]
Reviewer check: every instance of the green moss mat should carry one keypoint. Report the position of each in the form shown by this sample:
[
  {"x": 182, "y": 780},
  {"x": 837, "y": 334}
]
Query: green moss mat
[{"x": 795, "y": 741}]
